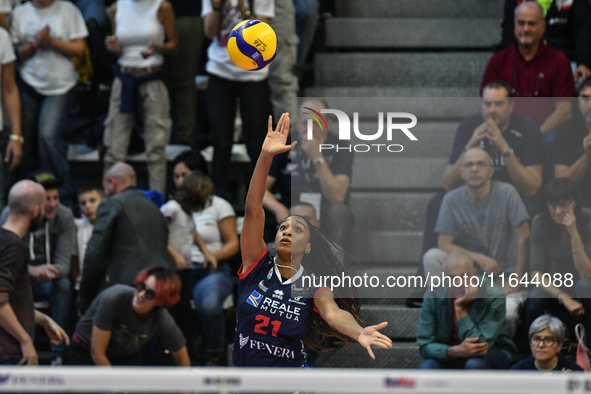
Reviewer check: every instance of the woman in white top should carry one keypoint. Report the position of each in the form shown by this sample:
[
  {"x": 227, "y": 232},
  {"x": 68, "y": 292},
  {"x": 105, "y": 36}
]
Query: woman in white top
[
  {"x": 143, "y": 31},
  {"x": 47, "y": 35},
  {"x": 211, "y": 278}
]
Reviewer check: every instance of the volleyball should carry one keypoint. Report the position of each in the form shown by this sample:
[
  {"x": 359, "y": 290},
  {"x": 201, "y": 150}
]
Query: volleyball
[{"x": 252, "y": 45}]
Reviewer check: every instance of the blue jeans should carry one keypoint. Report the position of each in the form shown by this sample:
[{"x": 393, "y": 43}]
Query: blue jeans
[
  {"x": 210, "y": 291},
  {"x": 494, "y": 359},
  {"x": 93, "y": 9},
  {"x": 44, "y": 121},
  {"x": 59, "y": 294},
  {"x": 307, "y": 16}
]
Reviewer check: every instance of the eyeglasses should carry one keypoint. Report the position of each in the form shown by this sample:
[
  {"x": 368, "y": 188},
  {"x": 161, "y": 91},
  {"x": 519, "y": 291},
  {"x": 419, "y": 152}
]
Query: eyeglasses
[
  {"x": 560, "y": 204},
  {"x": 150, "y": 294},
  {"x": 480, "y": 164},
  {"x": 548, "y": 341}
]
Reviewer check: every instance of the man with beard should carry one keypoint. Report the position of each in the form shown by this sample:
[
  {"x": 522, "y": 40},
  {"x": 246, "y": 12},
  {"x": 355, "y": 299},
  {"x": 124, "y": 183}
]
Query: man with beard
[
  {"x": 462, "y": 324},
  {"x": 26, "y": 210},
  {"x": 573, "y": 145},
  {"x": 50, "y": 249},
  {"x": 513, "y": 141}
]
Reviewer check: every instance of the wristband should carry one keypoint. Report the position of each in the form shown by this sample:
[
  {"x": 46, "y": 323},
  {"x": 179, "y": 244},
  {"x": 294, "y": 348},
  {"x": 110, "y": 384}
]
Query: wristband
[
  {"x": 34, "y": 47},
  {"x": 18, "y": 138},
  {"x": 578, "y": 250},
  {"x": 558, "y": 295}
]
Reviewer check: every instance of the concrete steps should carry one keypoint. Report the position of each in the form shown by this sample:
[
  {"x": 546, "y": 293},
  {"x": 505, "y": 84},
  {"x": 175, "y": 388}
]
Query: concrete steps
[
  {"x": 426, "y": 109},
  {"x": 389, "y": 91},
  {"x": 433, "y": 138},
  {"x": 403, "y": 322},
  {"x": 397, "y": 211},
  {"x": 385, "y": 295},
  {"x": 420, "y": 9},
  {"x": 399, "y": 172},
  {"x": 400, "y": 355},
  {"x": 444, "y": 69},
  {"x": 413, "y": 33}
]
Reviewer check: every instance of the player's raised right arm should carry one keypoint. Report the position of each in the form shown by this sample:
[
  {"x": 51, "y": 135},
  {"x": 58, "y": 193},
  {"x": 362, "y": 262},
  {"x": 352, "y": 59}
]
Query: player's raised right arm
[{"x": 251, "y": 240}]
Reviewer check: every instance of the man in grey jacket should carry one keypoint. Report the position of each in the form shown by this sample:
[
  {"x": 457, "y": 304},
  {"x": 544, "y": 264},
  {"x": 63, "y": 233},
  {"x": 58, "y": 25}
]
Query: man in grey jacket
[{"x": 130, "y": 234}]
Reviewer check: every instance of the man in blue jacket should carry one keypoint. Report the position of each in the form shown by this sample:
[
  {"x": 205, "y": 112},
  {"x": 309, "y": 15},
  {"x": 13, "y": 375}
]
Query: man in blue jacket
[{"x": 462, "y": 322}]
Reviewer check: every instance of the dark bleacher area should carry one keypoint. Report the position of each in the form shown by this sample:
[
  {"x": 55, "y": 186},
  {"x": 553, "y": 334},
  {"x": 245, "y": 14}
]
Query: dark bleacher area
[{"x": 401, "y": 48}]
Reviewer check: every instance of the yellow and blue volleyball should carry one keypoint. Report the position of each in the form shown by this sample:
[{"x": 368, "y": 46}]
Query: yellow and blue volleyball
[{"x": 252, "y": 45}]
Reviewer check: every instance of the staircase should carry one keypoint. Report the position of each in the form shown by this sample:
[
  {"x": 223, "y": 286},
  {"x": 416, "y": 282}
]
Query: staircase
[{"x": 426, "y": 57}]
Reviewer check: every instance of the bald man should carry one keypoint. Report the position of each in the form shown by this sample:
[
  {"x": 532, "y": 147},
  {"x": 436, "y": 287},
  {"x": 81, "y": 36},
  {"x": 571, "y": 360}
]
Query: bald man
[
  {"x": 130, "y": 234},
  {"x": 26, "y": 205},
  {"x": 487, "y": 220},
  {"x": 462, "y": 324}
]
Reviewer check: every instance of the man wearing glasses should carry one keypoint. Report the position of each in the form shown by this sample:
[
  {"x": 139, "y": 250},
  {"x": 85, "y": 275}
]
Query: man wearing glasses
[
  {"x": 573, "y": 145},
  {"x": 487, "y": 220}
]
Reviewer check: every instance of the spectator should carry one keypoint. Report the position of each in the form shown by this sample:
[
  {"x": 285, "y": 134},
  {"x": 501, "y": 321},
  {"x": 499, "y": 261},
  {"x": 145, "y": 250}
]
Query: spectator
[
  {"x": 142, "y": 34},
  {"x": 182, "y": 236},
  {"x": 228, "y": 82},
  {"x": 573, "y": 145},
  {"x": 11, "y": 98},
  {"x": 568, "y": 29},
  {"x": 561, "y": 246},
  {"x": 51, "y": 248},
  {"x": 26, "y": 208},
  {"x": 184, "y": 65},
  {"x": 320, "y": 178},
  {"x": 463, "y": 327},
  {"x": 284, "y": 85},
  {"x": 540, "y": 75},
  {"x": 47, "y": 35},
  {"x": 211, "y": 278},
  {"x": 89, "y": 199},
  {"x": 513, "y": 142},
  {"x": 187, "y": 162},
  {"x": 546, "y": 336},
  {"x": 484, "y": 219},
  {"x": 122, "y": 320},
  {"x": 130, "y": 234}
]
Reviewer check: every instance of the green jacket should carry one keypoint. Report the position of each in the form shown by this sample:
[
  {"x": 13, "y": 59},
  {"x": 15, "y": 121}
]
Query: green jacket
[{"x": 485, "y": 320}]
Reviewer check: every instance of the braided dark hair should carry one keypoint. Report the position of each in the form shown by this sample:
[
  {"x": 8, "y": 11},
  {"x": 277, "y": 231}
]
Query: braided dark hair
[{"x": 322, "y": 262}]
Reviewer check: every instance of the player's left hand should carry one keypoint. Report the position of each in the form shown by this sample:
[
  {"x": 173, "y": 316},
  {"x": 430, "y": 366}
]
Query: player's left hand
[{"x": 371, "y": 336}]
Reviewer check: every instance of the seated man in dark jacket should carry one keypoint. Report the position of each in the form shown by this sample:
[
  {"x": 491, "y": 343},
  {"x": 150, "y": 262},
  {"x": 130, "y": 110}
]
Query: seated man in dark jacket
[{"x": 130, "y": 234}]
